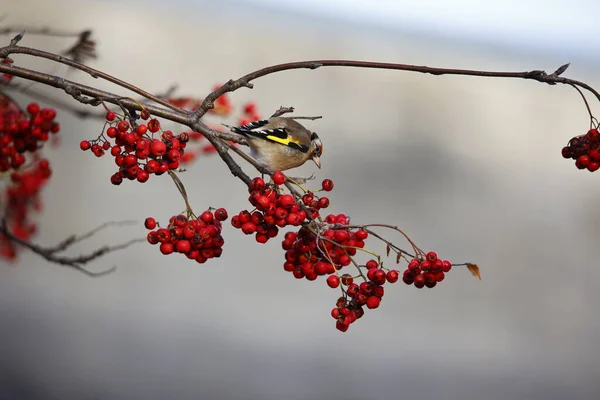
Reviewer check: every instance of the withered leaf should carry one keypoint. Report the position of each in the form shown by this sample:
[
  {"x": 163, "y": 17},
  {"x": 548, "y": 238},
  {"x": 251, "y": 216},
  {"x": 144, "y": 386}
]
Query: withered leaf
[
  {"x": 474, "y": 269},
  {"x": 387, "y": 250}
]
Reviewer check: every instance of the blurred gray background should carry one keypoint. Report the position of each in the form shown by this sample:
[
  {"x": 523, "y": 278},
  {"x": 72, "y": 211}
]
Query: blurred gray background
[{"x": 469, "y": 167}]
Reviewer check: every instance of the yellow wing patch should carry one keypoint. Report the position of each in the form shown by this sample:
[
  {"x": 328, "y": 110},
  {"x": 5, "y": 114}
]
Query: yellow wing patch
[
  {"x": 285, "y": 141},
  {"x": 288, "y": 141}
]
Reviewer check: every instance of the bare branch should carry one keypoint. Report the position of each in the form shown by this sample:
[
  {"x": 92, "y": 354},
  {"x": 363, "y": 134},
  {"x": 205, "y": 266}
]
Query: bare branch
[
  {"x": 282, "y": 110},
  {"x": 46, "y": 31},
  {"x": 244, "y": 81},
  {"x": 13, "y": 49},
  {"x": 77, "y": 263},
  {"x": 309, "y": 118}
]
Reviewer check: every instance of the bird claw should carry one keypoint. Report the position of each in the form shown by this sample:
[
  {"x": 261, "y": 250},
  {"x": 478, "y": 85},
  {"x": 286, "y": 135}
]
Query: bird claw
[{"x": 302, "y": 181}]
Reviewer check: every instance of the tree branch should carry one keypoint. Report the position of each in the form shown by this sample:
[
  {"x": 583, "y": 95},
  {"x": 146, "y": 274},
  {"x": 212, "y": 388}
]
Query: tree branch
[
  {"x": 244, "y": 81},
  {"x": 50, "y": 253},
  {"x": 94, "y": 73}
]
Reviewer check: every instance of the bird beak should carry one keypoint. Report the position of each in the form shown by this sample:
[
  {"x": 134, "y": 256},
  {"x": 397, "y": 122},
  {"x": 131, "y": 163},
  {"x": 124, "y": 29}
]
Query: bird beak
[{"x": 317, "y": 161}]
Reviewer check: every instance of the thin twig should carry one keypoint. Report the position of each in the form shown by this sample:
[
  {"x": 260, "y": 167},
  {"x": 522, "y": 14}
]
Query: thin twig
[
  {"x": 46, "y": 31},
  {"x": 245, "y": 81},
  {"x": 49, "y": 253},
  {"x": 71, "y": 240},
  {"x": 94, "y": 73}
]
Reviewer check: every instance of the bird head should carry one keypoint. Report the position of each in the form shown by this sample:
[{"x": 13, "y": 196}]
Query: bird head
[{"x": 316, "y": 148}]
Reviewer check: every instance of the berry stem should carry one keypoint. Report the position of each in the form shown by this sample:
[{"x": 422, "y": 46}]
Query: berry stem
[
  {"x": 182, "y": 191},
  {"x": 592, "y": 118}
]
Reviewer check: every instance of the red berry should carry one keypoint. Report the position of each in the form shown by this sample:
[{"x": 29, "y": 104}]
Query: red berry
[
  {"x": 221, "y": 214},
  {"x": 142, "y": 176},
  {"x": 153, "y": 125},
  {"x": 110, "y": 116},
  {"x": 256, "y": 185},
  {"x": 248, "y": 228},
  {"x": 207, "y": 217},
  {"x": 286, "y": 201},
  {"x": 373, "y": 302},
  {"x": 262, "y": 238},
  {"x": 392, "y": 276},
  {"x": 183, "y": 246},
  {"x": 158, "y": 148},
  {"x": 85, "y": 145},
  {"x": 333, "y": 281},
  {"x": 593, "y": 166},
  {"x": 408, "y": 278},
  {"x": 323, "y": 202},
  {"x": 327, "y": 185},
  {"x": 341, "y": 326},
  {"x": 166, "y": 248},
  {"x": 361, "y": 234},
  {"x": 593, "y": 135},
  {"x": 150, "y": 223},
  {"x": 582, "y": 162},
  {"x": 278, "y": 178},
  {"x": 123, "y": 126},
  {"x": 432, "y": 256},
  {"x": 347, "y": 279},
  {"x": 419, "y": 281},
  {"x": 152, "y": 238},
  {"x": 594, "y": 154},
  {"x": 112, "y": 132},
  {"x": 33, "y": 108}
]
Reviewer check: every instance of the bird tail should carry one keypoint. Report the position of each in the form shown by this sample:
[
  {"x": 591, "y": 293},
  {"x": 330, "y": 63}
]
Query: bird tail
[{"x": 246, "y": 130}]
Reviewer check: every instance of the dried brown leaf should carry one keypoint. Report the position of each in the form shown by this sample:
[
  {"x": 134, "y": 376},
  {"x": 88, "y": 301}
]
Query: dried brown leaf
[
  {"x": 474, "y": 269},
  {"x": 387, "y": 250}
]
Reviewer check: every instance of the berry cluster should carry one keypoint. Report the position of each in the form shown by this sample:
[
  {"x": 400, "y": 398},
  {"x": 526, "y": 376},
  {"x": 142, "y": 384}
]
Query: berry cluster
[
  {"x": 198, "y": 238},
  {"x": 309, "y": 256},
  {"x": 585, "y": 150},
  {"x": 274, "y": 210},
  {"x": 21, "y": 132},
  {"x": 22, "y": 196},
  {"x": 368, "y": 293},
  {"x": 427, "y": 271},
  {"x": 137, "y": 153}
]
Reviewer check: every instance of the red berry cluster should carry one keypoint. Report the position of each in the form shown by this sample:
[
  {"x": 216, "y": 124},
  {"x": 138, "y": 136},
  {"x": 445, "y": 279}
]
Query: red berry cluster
[
  {"x": 21, "y": 133},
  {"x": 426, "y": 271},
  {"x": 368, "y": 293},
  {"x": 19, "y": 199},
  {"x": 308, "y": 256},
  {"x": 274, "y": 210},
  {"x": 199, "y": 238},
  {"x": 585, "y": 150},
  {"x": 137, "y": 153}
]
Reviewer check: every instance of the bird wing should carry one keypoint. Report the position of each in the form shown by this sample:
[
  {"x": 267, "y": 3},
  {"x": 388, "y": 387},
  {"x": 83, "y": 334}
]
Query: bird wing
[{"x": 278, "y": 135}]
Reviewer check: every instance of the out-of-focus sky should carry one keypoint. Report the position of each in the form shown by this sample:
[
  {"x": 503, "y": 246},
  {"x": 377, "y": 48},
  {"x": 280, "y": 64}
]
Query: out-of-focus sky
[
  {"x": 528, "y": 24},
  {"x": 469, "y": 167}
]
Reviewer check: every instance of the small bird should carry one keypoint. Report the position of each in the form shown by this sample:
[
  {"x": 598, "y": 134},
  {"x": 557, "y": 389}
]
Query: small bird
[{"x": 280, "y": 143}]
